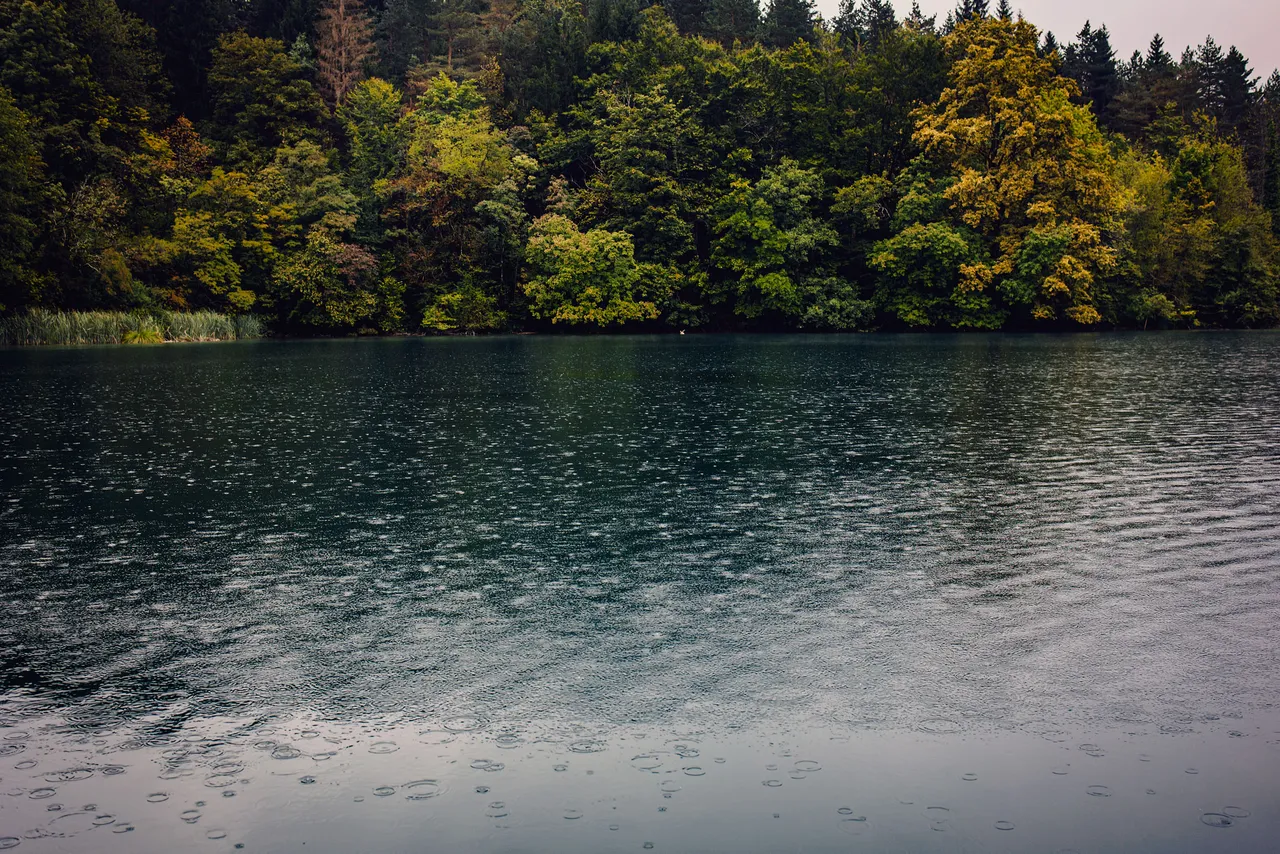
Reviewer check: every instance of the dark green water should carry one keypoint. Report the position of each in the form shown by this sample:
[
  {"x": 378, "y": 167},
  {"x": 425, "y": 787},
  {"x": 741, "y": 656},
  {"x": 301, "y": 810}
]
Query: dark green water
[{"x": 704, "y": 594}]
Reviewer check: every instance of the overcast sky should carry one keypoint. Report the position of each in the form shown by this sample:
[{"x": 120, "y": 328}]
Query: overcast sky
[{"x": 1251, "y": 25}]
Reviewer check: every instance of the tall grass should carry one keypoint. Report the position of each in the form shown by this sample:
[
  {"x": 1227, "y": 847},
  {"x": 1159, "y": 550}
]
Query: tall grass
[{"x": 40, "y": 326}]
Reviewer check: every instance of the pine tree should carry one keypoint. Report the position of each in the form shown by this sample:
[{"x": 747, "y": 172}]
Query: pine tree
[
  {"x": 689, "y": 16},
  {"x": 1236, "y": 84},
  {"x": 1003, "y": 11},
  {"x": 344, "y": 45},
  {"x": 865, "y": 23},
  {"x": 969, "y": 10},
  {"x": 917, "y": 22},
  {"x": 848, "y": 21},
  {"x": 733, "y": 20},
  {"x": 787, "y": 22},
  {"x": 402, "y": 35},
  {"x": 458, "y": 38},
  {"x": 1157, "y": 58},
  {"x": 878, "y": 21},
  {"x": 1050, "y": 45},
  {"x": 1092, "y": 63},
  {"x": 1271, "y": 176}
]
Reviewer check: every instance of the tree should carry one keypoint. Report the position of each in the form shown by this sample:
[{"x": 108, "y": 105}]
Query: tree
[
  {"x": 376, "y": 131},
  {"x": 1157, "y": 58},
  {"x": 1271, "y": 176},
  {"x": 328, "y": 284},
  {"x": 344, "y": 47},
  {"x": 787, "y": 22},
  {"x": 776, "y": 247},
  {"x": 20, "y": 192},
  {"x": 261, "y": 99},
  {"x": 542, "y": 54},
  {"x": 689, "y": 16},
  {"x": 456, "y": 30},
  {"x": 580, "y": 278},
  {"x": 1028, "y": 173},
  {"x": 1091, "y": 61},
  {"x": 728, "y": 21}
]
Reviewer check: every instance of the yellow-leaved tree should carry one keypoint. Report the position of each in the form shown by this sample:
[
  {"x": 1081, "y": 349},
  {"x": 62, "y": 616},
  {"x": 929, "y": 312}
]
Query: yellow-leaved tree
[{"x": 1030, "y": 176}]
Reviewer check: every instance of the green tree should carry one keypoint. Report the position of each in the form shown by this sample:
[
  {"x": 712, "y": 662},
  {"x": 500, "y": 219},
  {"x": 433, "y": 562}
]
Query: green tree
[
  {"x": 21, "y": 175},
  {"x": 774, "y": 245},
  {"x": 582, "y": 278},
  {"x": 728, "y": 21},
  {"x": 788, "y": 21},
  {"x": 327, "y": 284},
  {"x": 262, "y": 99}
]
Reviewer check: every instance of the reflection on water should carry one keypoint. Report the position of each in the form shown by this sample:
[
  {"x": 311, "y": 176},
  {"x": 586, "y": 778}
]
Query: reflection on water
[{"x": 701, "y": 594}]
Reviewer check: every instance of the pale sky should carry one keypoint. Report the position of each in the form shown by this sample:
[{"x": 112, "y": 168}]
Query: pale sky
[{"x": 1251, "y": 25}]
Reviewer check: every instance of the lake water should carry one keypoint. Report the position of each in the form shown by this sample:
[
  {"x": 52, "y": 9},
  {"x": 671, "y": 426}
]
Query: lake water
[{"x": 687, "y": 594}]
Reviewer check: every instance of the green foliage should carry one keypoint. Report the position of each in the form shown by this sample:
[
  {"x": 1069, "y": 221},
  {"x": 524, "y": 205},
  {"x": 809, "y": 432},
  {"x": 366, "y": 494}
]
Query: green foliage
[
  {"x": 1031, "y": 179},
  {"x": 467, "y": 310},
  {"x": 21, "y": 172},
  {"x": 582, "y": 278},
  {"x": 261, "y": 98},
  {"x": 327, "y": 284},
  {"x": 41, "y": 326},
  {"x": 553, "y": 164},
  {"x": 775, "y": 244}
]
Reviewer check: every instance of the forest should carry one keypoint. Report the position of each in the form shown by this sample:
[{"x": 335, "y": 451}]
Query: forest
[{"x": 333, "y": 167}]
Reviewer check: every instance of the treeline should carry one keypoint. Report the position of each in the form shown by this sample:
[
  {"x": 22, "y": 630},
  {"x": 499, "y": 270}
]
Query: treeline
[{"x": 477, "y": 165}]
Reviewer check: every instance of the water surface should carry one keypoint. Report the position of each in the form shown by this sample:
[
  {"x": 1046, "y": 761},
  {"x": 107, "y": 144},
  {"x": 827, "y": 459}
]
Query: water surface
[{"x": 750, "y": 594}]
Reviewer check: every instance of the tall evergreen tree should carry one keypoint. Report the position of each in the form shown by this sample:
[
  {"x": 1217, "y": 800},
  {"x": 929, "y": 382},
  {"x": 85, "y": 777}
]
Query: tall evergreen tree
[
  {"x": 344, "y": 46},
  {"x": 403, "y": 35},
  {"x": 1050, "y": 45},
  {"x": 1271, "y": 176},
  {"x": 458, "y": 41},
  {"x": 1004, "y": 11},
  {"x": 1157, "y": 58},
  {"x": 689, "y": 16},
  {"x": 865, "y": 23},
  {"x": 1091, "y": 61},
  {"x": 733, "y": 20},
  {"x": 917, "y": 21},
  {"x": 1237, "y": 85},
  {"x": 970, "y": 10},
  {"x": 787, "y": 22}
]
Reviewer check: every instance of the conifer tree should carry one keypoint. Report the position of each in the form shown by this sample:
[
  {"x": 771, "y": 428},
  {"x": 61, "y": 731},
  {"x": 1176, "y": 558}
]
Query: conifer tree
[
  {"x": 1050, "y": 45},
  {"x": 1003, "y": 11},
  {"x": 344, "y": 45},
  {"x": 848, "y": 21},
  {"x": 969, "y": 10},
  {"x": 730, "y": 20},
  {"x": 878, "y": 21},
  {"x": 918, "y": 22},
  {"x": 456, "y": 29},
  {"x": 1157, "y": 59},
  {"x": 689, "y": 16},
  {"x": 1236, "y": 84},
  {"x": 787, "y": 22},
  {"x": 1271, "y": 177}
]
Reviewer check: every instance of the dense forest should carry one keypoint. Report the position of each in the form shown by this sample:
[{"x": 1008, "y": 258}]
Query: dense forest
[{"x": 335, "y": 167}]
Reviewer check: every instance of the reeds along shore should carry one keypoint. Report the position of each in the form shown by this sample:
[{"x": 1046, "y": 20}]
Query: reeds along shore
[{"x": 117, "y": 327}]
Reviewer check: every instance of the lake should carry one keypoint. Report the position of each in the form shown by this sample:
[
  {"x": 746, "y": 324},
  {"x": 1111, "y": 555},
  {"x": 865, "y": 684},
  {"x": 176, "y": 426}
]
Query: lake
[{"x": 689, "y": 594}]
